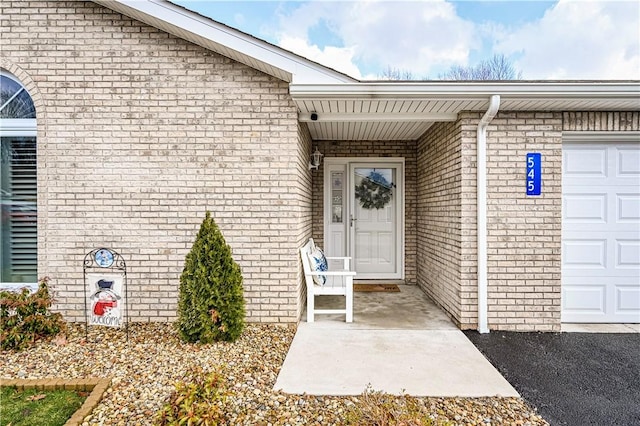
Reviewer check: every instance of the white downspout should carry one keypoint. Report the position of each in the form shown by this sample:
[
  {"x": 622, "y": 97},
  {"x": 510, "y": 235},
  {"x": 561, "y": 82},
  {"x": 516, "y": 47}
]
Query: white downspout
[{"x": 481, "y": 165}]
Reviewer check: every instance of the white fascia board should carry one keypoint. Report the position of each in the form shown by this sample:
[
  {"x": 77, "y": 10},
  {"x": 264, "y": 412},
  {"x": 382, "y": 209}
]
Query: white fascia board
[
  {"x": 469, "y": 90},
  {"x": 301, "y": 69},
  {"x": 375, "y": 117}
]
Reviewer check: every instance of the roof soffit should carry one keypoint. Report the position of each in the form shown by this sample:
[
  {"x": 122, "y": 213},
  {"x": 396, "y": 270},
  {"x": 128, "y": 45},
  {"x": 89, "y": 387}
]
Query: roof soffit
[{"x": 405, "y": 110}]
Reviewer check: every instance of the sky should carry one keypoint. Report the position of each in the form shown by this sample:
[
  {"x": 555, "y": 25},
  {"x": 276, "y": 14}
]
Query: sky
[{"x": 545, "y": 40}]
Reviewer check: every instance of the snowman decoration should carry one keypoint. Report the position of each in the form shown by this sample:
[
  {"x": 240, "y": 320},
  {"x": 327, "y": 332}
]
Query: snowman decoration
[{"x": 104, "y": 307}]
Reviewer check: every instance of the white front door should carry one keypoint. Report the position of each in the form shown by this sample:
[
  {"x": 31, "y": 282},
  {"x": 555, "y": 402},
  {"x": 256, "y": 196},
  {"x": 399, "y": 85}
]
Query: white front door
[
  {"x": 374, "y": 219},
  {"x": 364, "y": 208},
  {"x": 601, "y": 232}
]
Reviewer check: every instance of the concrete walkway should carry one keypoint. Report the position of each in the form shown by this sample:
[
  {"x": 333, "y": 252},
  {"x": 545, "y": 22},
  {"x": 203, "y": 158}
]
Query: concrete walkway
[{"x": 398, "y": 342}]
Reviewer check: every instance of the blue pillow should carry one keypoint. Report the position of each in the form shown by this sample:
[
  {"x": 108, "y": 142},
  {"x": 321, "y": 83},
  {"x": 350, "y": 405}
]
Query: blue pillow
[{"x": 318, "y": 262}]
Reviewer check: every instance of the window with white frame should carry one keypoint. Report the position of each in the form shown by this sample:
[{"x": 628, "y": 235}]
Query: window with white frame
[{"x": 18, "y": 183}]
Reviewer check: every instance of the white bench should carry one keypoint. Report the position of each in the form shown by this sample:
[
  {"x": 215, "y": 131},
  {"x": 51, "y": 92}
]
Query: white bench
[{"x": 338, "y": 283}]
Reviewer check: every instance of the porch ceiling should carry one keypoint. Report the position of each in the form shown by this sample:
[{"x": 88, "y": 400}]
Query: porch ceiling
[{"x": 404, "y": 111}]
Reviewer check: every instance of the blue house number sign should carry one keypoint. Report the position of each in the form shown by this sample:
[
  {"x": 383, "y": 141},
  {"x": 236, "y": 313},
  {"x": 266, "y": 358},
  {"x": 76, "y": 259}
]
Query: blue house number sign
[{"x": 534, "y": 173}]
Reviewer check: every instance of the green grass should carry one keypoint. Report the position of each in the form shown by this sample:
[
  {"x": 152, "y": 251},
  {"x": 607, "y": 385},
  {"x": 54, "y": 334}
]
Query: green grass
[{"x": 28, "y": 407}]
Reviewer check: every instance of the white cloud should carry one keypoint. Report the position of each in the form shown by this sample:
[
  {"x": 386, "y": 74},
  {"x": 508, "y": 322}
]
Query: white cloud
[
  {"x": 416, "y": 36},
  {"x": 579, "y": 40},
  {"x": 573, "y": 40},
  {"x": 338, "y": 58}
]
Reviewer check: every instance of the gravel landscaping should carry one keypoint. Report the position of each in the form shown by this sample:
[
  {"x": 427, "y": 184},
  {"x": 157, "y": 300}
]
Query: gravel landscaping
[{"x": 145, "y": 369}]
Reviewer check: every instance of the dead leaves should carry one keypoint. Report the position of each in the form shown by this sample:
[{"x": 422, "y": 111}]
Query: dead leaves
[
  {"x": 60, "y": 340},
  {"x": 215, "y": 316},
  {"x": 37, "y": 397}
]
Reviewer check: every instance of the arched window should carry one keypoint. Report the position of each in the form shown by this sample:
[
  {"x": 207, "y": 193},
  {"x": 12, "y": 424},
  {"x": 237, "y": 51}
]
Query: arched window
[
  {"x": 18, "y": 184},
  {"x": 15, "y": 101}
]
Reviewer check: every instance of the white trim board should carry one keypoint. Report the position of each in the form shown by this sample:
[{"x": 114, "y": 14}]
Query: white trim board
[{"x": 600, "y": 136}]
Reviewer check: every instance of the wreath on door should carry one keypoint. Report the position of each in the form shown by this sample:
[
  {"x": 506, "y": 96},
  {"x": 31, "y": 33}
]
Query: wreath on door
[{"x": 374, "y": 191}]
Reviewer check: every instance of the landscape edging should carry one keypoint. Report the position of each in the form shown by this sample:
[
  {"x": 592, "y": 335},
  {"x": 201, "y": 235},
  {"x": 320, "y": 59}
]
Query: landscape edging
[{"x": 95, "y": 385}]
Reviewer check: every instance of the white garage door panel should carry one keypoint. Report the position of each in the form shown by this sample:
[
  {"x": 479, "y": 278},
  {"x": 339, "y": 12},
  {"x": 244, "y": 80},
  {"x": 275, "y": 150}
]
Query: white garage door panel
[
  {"x": 582, "y": 161},
  {"x": 601, "y": 232},
  {"x": 628, "y": 254},
  {"x": 582, "y": 299},
  {"x": 583, "y": 208},
  {"x": 603, "y": 255},
  {"x": 628, "y": 208},
  {"x": 585, "y": 254},
  {"x": 628, "y": 162},
  {"x": 627, "y": 299},
  {"x": 598, "y": 299}
]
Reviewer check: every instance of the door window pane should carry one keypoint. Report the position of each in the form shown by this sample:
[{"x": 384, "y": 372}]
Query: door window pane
[{"x": 336, "y": 197}]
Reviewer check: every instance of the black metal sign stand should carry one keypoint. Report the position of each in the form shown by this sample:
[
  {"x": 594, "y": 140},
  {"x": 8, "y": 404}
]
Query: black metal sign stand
[{"x": 108, "y": 262}]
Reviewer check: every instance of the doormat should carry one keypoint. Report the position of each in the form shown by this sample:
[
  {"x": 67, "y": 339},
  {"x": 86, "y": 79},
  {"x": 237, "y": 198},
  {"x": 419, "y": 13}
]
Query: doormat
[{"x": 385, "y": 288}]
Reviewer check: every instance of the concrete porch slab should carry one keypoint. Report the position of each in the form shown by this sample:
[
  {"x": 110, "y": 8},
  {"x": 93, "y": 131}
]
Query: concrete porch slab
[
  {"x": 398, "y": 342},
  {"x": 409, "y": 309},
  {"x": 439, "y": 363},
  {"x": 600, "y": 328}
]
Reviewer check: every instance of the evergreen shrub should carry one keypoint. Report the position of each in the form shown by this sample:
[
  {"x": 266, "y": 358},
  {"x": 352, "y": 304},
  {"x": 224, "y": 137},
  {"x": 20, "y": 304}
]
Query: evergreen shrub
[{"x": 211, "y": 304}]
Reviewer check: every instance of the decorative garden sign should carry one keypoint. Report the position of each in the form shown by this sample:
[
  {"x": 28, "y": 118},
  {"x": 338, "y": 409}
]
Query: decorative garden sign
[
  {"x": 374, "y": 191},
  {"x": 107, "y": 299},
  {"x": 105, "y": 276}
]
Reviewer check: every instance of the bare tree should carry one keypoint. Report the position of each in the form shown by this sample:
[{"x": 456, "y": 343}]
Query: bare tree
[
  {"x": 499, "y": 67},
  {"x": 395, "y": 74}
]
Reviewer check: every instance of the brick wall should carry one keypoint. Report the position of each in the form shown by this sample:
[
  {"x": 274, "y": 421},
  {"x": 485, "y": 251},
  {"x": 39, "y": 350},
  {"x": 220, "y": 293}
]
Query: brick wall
[
  {"x": 139, "y": 133},
  {"x": 439, "y": 225},
  {"x": 524, "y": 233},
  {"x": 406, "y": 149},
  {"x": 601, "y": 121},
  {"x": 469, "y": 222},
  {"x": 305, "y": 222}
]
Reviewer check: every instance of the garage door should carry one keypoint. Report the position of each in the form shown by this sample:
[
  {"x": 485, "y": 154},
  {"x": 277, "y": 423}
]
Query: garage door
[{"x": 601, "y": 232}]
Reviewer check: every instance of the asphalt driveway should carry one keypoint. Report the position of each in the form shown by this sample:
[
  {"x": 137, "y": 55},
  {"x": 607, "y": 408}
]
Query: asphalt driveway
[{"x": 571, "y": 378}]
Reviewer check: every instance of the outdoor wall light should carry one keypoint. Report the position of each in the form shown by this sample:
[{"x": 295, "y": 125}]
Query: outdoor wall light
[{"x": 316, "y": 158}]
